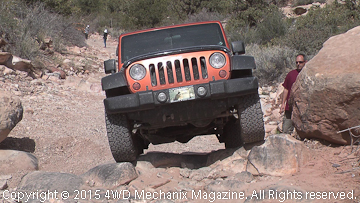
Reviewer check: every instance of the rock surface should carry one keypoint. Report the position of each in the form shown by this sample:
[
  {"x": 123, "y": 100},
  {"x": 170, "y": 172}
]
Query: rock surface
[
  {"x": 326, "y": 95},
  {"x": 13, "y": 161},
  {"x": 11, "y": 112},
  {"x": 280, "y": 155},
  {"x": 110, "y": 175},
  {"x": 17, "y": 63},
  {"x": 4, "y": 57},
  {"x": 50, "y": 181}
]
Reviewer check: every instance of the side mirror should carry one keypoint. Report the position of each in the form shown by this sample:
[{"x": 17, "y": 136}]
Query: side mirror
[
  {"x": 110, "y": 66},
  {"x": 238, "y": 47}
]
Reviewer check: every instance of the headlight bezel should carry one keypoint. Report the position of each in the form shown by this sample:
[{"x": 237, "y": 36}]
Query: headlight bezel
[
  {"x": 214, "y": 60},
  {"x": 137, "y": 76}
]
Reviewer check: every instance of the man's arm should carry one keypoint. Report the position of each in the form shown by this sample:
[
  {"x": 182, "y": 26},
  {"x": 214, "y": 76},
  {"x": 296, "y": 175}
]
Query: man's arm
[{"x": 282, "y": 107}]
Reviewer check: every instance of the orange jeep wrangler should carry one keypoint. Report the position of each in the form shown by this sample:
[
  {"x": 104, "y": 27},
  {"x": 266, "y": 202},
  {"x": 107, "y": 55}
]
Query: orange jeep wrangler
[{"x": 174, "y": 83}]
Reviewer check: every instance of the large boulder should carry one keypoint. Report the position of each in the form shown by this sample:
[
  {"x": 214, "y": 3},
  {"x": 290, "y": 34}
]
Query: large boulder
[
  {"x": 326, "y": 95},
  {"x": 11, "y": 113}
]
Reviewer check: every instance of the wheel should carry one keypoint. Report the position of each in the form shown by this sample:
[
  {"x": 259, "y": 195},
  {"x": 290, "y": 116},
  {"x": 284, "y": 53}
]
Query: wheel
[
  {"x": 249, "y": 126},
  {"x": 124, "y": 145}
]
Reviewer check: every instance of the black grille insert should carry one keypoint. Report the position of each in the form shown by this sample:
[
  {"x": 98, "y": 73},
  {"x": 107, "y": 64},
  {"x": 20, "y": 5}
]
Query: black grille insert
[{"x": 190, "y": 68}]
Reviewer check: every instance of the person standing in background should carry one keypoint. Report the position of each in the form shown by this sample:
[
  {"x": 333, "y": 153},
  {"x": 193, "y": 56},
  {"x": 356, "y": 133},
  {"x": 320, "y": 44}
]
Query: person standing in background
[
  {"x": 288, "y": 126},
  {"x": 105, "y": 36},
  {"x": 86, "y": 31}
]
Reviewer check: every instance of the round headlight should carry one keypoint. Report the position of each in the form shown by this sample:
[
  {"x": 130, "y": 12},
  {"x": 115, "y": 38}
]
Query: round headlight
[
  {"x": 137, "y": 72},
  {"x": 217, "y": 60}
]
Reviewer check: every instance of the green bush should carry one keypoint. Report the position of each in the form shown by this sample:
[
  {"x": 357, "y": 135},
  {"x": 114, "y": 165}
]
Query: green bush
[
  {"x": 272, "y": 26},
  {"x": 32, "y": 25},
  {"x": 204, "y": 15},
  {"x": 306, "y": 2},
  {"x": 63, "y": 7},
  {"x": 312, "y": 30},
  {"x": 16, "y": 32},
  {"x": 145, "y": 13},
  {"x": 267, "y": 25},
  {"x": 246, "y": 34}
]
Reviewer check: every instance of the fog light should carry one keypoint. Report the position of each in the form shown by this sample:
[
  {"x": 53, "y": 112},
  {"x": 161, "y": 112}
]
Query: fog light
[
  {"x": 136, "y": 86},
  {"x": 162, "y": 97},
  {"x": 201, "y": 91},
  {"x": 222, "y": 73}
]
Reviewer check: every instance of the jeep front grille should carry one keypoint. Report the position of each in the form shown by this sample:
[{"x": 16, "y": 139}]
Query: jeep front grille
[{"x": 186, "y": 69}]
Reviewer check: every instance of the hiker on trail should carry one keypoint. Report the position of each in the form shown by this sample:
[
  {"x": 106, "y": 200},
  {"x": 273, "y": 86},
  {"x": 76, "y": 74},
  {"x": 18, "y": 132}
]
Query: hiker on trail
[
  {"x": 105, "y": 36},
  {"x": 86, "y": 31}
]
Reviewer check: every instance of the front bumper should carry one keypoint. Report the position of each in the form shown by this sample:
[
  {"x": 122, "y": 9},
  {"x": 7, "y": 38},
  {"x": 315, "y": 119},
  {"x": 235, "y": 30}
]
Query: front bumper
[{"x": 142, "y": 101}]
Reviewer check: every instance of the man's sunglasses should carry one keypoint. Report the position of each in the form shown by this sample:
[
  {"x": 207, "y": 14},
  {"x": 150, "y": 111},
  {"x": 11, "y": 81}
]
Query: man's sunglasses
[{"x": 299, "y": 62}]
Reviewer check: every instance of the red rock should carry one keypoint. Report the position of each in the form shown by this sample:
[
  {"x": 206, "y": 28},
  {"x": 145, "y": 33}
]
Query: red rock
[
  {"x": 4, "y": 56},
  {"x": 326, "y": 95},
  {"x": 62, "y": 74}
]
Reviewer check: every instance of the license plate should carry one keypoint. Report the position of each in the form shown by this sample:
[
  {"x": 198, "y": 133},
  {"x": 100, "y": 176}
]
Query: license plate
[{"x": 181, "y": 94}]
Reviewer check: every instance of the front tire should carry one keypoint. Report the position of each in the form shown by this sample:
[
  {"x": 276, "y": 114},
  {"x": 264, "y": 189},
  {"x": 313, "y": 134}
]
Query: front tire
[
  {"x": 124, "y": 145},
  {"x": 249, "y": 126}
]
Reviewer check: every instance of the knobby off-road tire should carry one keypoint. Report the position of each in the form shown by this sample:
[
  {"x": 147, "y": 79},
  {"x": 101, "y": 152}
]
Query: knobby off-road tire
[
  {"x": 249, "y": 127},
  {"x": 124, "y": 145}
]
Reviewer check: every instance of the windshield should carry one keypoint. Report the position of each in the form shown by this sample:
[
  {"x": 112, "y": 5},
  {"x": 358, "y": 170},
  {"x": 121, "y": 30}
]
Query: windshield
[{"x": 169, "y": 39}]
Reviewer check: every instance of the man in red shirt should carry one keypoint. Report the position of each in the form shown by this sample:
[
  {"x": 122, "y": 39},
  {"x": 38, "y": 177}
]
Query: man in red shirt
[{"x": 289, "y": 81}]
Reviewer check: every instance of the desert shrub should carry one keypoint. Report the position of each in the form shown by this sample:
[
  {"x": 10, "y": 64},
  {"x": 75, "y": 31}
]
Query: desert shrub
[
  {"x": 272, "y": 26},
  {"x": 17, "y": 33},
  {"x": 280, "y": 3},
  {"x": 307, "y": 40},
  {"x": 32, "y": 26},
  {"x": 268, "y": 24},
  {"x": 90, "y": 6},
  {"x": 145, "y": 13},
  {"x": 246, "y": 34},
  {"x": 272, "y": 62},
  {"x": 312, "y": 30},
  {"x": 305, "y": 2},
  {"x": 205, "y": 15},
  {"x": 63, "y": 7}
]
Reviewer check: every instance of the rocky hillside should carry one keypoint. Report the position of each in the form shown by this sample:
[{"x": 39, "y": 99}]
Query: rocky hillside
[{"x": 59, "y": 149}]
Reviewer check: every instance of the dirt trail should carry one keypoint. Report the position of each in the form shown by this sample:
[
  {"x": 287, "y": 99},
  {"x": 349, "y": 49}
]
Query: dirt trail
[{"x": 63, "y": 126}]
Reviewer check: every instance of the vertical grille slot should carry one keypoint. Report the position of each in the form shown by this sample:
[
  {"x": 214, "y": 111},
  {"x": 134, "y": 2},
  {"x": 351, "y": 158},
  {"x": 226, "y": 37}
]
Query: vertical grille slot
[
  {"x": 178, "y": 71},
  {"x": 186, "y": 69},
  {"x": 153, "y": 75},
  {"x": 170, "y": 73},
  {"x": 195, "y": 68},
  {"x": 161, "y": 74},
  {"x": 203, "y": 67}
]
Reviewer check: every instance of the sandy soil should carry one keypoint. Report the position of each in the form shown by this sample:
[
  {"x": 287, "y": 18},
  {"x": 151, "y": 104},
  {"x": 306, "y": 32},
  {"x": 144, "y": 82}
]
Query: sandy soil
[{"x": 63, "y": 126}]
